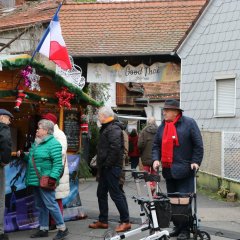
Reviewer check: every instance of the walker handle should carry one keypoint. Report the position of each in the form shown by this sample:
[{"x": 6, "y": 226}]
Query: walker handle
[{"x": 195, "y": 172}]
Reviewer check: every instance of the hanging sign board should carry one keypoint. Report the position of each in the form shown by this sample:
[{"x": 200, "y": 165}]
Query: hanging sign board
[{"x": 102, "y": 73}]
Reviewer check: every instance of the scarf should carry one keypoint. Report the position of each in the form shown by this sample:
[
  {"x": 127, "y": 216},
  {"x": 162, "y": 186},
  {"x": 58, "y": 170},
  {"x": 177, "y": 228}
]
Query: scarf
[
  {"x": 108, "y": 119},
  {"x": 169, "y": 140}
]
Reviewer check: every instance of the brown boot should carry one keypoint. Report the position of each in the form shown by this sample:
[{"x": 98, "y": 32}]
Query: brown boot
[
  {"x": 123, "y": 227},
  {"x": 98, "y": 224}
]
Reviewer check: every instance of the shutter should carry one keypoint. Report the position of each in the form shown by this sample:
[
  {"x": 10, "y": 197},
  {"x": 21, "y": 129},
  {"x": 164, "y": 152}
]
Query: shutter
[{"x": 225, "y": 102}]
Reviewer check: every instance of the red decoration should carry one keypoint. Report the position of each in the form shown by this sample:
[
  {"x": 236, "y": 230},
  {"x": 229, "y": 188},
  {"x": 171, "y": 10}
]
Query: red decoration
[
  {"x": 84, "y": 127},
  {"x": 20, "y": 97},
  {"x": 64, "y": 97},
  {"x": 84, "y": 124}
]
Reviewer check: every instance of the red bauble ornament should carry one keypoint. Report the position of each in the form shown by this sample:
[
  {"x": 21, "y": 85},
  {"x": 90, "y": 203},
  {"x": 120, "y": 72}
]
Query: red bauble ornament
[{"x": 64, "y": 98}]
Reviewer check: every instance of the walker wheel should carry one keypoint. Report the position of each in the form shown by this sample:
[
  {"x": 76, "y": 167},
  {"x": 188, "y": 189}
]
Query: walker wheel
[
  {"x": 202, "y": 235},
  {"x": 109, "y": 234}
]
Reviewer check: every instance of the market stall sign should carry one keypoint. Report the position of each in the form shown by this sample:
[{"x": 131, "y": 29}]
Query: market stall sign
[
  {"x": 71, "y": 129},
  {"x": 102, "y": 73}
]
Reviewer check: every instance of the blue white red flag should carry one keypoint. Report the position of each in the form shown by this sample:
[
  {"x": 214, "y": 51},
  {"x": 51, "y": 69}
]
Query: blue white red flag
[{"x": 52, "y": 44}]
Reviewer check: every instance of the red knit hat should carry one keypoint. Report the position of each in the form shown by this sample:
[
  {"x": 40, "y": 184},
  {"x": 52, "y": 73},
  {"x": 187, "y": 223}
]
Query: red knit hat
[{"x": 50, "y": 117}]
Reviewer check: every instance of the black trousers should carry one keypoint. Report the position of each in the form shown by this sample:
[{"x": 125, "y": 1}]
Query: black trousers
[
  {"x": 109, "y": 182},
  {"x": 185, "y": 185}
]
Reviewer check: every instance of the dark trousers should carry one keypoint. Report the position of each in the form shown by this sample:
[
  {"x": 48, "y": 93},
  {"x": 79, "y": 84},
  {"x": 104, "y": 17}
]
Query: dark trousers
[
  {"x": 185, "y": 185},
  {"x": 109, "y": 182},
  {"x": 134, "y": 162}
]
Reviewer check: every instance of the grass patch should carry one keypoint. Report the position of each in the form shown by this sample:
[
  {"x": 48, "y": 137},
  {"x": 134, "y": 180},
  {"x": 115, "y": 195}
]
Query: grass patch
[{"x": 211, "y": 195}]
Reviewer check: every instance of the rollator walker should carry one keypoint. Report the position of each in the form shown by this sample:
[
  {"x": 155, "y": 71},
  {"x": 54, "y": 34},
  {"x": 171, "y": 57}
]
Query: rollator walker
[
  {"x": 184, "y": 211},
  {"x": 157, "y": 213},
  {"x": 150, "y": 219}
]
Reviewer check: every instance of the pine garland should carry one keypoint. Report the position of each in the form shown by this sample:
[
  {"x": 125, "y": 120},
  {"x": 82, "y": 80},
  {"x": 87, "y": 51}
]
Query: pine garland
[{"x": 58, "y": 80}]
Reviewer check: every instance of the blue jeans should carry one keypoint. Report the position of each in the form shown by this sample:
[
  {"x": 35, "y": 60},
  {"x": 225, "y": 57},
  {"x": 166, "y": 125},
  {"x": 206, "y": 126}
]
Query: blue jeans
[
  {"x": 46, "y": 203},
  {"x": 109, "y": 182}
]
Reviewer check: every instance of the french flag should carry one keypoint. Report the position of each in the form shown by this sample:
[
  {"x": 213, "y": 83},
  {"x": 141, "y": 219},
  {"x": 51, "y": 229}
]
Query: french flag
[{"x": 52, "y": 44}]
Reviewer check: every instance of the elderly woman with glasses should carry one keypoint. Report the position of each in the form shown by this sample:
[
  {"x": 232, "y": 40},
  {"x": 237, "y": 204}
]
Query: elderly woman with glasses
[{"x": 46, "y": 155}]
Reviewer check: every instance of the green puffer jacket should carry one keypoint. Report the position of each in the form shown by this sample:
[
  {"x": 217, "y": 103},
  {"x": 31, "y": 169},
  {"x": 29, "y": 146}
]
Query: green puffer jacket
[{"x": 48, "y": 160}]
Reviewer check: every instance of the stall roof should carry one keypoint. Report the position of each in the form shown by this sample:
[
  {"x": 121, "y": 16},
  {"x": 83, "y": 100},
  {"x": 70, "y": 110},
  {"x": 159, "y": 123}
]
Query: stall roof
[{"x": 12, "y": 62}]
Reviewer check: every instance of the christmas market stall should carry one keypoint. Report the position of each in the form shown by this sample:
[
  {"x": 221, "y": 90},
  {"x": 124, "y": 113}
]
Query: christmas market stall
[{"x": 29, "y": 89}]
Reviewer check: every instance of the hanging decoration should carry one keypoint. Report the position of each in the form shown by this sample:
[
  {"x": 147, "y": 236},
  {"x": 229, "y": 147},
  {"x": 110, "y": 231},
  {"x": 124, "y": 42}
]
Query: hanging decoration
[
  {"x": 20, "y": 97},
  {"x": 34, "y": 80},
  {"x": 84, "y": 124},
  {"x": 64, "y": 98},
  {"x": 73, "y": 75},
  {"x": 25, "y": 73},
  {"x": 31, "y": 79}
]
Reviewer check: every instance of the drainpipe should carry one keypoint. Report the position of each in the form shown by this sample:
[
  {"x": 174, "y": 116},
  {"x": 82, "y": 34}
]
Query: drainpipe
[{"x": 148, "y": 101}]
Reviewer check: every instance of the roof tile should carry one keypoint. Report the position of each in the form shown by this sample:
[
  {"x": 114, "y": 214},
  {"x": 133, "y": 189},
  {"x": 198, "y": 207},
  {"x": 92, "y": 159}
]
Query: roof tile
[
  {"x": 127, "y": 28},
  {"x": 115, "y": 28},
  {"x": 27, "y": 14}
]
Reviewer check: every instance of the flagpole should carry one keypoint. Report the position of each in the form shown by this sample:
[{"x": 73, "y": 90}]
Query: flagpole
[{"x": 46, "y": 31}]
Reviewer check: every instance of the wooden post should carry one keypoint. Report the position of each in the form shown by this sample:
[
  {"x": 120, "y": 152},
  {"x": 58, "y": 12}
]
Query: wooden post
[
  {"x": 61, "y": 114},
  {"x": 80, "y": 132}
]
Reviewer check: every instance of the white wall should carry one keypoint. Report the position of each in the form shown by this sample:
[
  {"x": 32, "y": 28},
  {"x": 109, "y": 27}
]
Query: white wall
[
  {"x": 155, "y": 110},
  {"x": 25, "y": 44},
  {"x": 111, "y": 102}
]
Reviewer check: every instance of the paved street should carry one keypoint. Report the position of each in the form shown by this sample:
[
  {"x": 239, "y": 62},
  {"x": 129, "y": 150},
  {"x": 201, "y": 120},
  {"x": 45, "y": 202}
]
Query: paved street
[{"x": 220, "y": 219}]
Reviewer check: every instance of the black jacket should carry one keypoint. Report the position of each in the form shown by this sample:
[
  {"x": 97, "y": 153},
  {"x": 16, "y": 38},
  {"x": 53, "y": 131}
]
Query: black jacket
[
  {"x": 110, "y": 145},
  {"x": 5, "y": 143}
]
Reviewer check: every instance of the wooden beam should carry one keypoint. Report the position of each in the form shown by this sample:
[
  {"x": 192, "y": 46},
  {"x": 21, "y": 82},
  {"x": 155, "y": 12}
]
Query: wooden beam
[
  {"x": 14, "y": 39},
  {"x": 61, "y": 115}
]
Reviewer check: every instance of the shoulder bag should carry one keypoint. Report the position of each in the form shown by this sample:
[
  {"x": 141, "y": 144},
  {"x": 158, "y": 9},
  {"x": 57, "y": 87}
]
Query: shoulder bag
[{"x": 43, "y": 180}]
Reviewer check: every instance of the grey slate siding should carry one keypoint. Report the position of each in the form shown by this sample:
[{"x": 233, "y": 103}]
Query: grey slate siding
[{"x": 212, "y": 48}]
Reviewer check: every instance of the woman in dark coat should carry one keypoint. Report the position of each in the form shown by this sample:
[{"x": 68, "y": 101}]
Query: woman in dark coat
[{"x": 145, "y": 142}]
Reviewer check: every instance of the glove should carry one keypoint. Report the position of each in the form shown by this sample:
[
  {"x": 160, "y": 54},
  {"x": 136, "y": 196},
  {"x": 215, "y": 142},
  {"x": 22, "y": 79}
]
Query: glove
[{"x": 51, "y": 181}]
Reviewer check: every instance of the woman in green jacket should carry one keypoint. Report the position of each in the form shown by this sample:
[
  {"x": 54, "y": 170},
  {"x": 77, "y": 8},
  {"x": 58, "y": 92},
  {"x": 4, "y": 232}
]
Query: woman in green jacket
[{"x": 46, "y": 152}]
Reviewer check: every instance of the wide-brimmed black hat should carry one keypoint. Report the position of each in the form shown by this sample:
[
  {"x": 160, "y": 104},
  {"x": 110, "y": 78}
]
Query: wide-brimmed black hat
[
  {"x": 5, "y": 112},
  {"x": 172, "y": 104}
]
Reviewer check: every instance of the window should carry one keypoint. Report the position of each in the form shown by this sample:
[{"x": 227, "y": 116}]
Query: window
[{"x": 225, "y": 96}]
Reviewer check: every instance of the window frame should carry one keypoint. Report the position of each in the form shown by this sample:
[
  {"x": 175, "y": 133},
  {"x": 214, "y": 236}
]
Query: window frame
[{"x": 224, "y": 77}]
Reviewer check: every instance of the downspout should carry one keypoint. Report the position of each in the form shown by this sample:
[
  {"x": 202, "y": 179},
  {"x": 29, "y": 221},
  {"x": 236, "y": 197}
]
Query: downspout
[{"x": 148, "y": 101}]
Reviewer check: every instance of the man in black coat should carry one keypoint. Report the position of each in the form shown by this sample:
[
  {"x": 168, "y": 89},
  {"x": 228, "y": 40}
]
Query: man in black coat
[
  {"x": 109, "y": 162},
  {"x": 178, "y": 145},
  {"x": 5, "y": 156}
]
